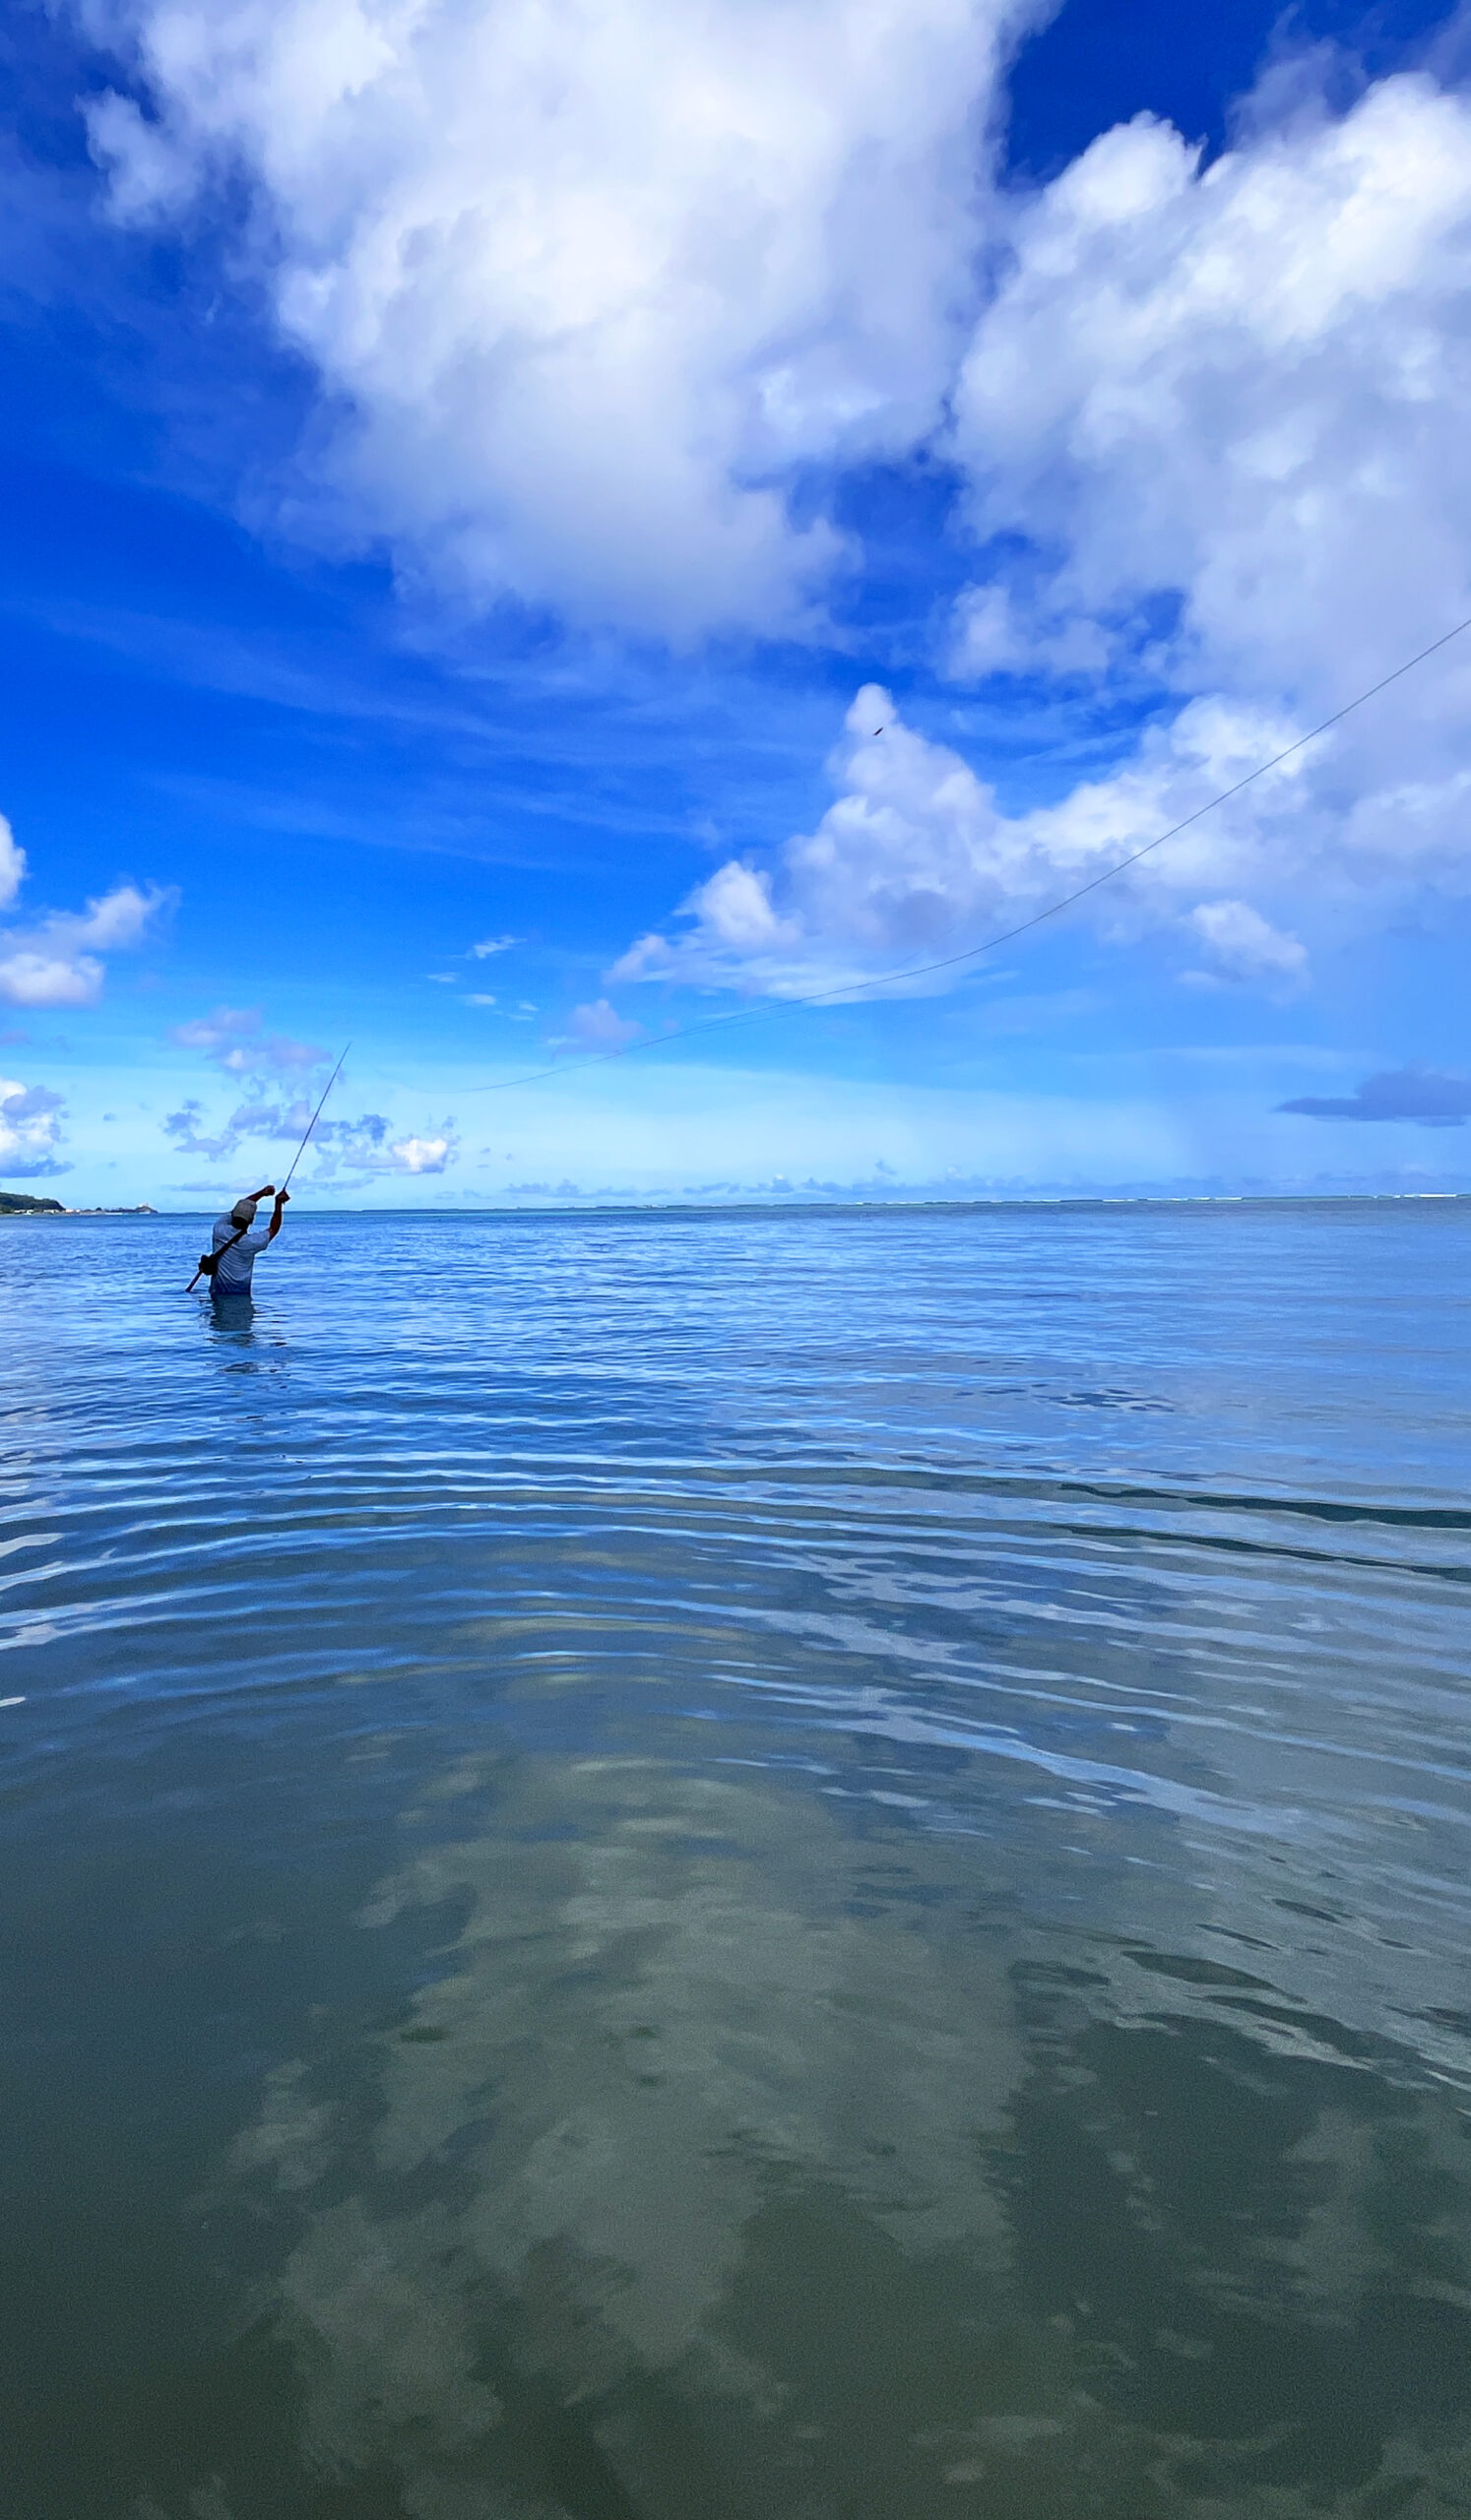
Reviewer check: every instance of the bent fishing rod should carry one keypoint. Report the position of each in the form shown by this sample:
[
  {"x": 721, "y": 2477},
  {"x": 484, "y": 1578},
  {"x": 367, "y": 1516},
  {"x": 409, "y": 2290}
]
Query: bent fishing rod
[{"x": 209, "y": 1260}]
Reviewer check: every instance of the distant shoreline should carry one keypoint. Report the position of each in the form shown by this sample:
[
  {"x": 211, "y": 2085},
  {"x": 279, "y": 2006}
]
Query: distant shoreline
[
  {"x": 1055, "y": 1202},
  {"x": 16, "y": 1204}
]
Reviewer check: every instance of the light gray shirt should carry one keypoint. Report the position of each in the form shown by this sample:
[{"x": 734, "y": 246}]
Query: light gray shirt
[{"x": 233, "y": 1276}]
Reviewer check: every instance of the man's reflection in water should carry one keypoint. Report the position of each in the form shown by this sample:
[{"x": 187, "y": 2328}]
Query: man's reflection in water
[
  {"x": 731, "y": 2168},
  {"x": 230, "y": 1322},
  {"x": 229, "y": 1316}
]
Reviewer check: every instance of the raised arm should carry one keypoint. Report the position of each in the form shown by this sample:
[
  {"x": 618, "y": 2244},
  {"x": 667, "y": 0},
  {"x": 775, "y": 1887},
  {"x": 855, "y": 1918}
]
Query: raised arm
[{"x": 283, "y": 1200}]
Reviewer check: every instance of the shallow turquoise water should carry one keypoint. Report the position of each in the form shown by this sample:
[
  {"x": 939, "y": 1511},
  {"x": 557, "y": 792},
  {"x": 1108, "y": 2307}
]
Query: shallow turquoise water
[{"x": 805, "y": 1866}]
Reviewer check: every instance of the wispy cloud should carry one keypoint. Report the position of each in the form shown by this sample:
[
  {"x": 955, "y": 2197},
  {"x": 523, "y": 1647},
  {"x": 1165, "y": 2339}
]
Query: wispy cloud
[
  {"x": 232, "y": 1040},
  {"x": 192, "y": 1133},
  {"x": 367, "y": 1147},
  {"x": 236, "y": 1043},
  {"x": 360, "y": 1148}
]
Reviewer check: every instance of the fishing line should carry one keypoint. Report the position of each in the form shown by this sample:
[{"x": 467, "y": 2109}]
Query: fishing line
[{"x": 1006, "y": 937}]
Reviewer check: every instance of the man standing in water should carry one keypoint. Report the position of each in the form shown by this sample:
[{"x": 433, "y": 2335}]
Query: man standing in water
[{"x": 237, "y": 1241}]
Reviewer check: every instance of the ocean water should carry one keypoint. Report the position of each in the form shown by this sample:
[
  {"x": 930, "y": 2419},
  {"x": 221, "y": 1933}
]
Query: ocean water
[{"x": 802, "y": 1867}]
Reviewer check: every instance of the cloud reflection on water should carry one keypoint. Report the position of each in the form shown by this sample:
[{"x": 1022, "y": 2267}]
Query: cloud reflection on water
[{"x": 730, "y": 2163}]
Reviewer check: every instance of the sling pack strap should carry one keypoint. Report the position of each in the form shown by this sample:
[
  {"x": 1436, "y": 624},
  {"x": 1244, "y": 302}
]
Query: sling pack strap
[{"x": 209, "y": 1261}]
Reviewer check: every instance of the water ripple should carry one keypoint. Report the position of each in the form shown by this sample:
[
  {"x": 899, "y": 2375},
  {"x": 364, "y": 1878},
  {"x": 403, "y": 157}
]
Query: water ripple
[{"x": 959, "y": 1723}]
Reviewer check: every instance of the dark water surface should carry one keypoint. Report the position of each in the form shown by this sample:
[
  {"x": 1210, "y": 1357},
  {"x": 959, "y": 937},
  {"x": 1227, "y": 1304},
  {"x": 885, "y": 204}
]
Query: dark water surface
[{"x": 793, "y": 1867}]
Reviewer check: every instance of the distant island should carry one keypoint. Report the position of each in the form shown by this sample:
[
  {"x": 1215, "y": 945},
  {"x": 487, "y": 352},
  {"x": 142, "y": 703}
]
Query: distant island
[{"x": 18, "y": 1203}]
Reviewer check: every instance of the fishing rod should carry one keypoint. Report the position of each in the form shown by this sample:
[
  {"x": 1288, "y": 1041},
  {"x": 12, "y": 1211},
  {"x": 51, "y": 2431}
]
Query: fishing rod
[
  {"x": 209, "y": 1260},
  {"x": 316, "y": 1115}
]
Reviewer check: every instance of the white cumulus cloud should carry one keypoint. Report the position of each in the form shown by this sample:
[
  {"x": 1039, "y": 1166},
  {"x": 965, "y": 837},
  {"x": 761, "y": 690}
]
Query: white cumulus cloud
[
  {"x": 599, "y": 1027},
  {"x": 1244, "y": 387},
  {"x": 915, "y": 858},
  {"x": 1215, "y": 418},
  {"x": 1220, "y": 411},
  {"x": 1244, "y": 946},
  {"x": 585, "y": 288},
  {"x": 29, "y": 1129},
  {"x": 587, "y": 281},
  {"x": 367, "y": 1145},
  {"x": 12, "y": 865},
  {"x": 419, "y": 1154},
  {"x": 56, "y": 958},
  {"x": 32, "y": 979}
]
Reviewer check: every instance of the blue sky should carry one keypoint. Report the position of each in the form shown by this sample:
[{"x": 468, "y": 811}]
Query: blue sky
[{"x": 529, "y": 529}]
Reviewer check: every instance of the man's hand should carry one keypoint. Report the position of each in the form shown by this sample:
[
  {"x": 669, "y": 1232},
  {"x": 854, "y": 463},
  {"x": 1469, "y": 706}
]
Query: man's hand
[
  {"x": 269, "y": 1193},
  {"x": 283, "y": 1199}
]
